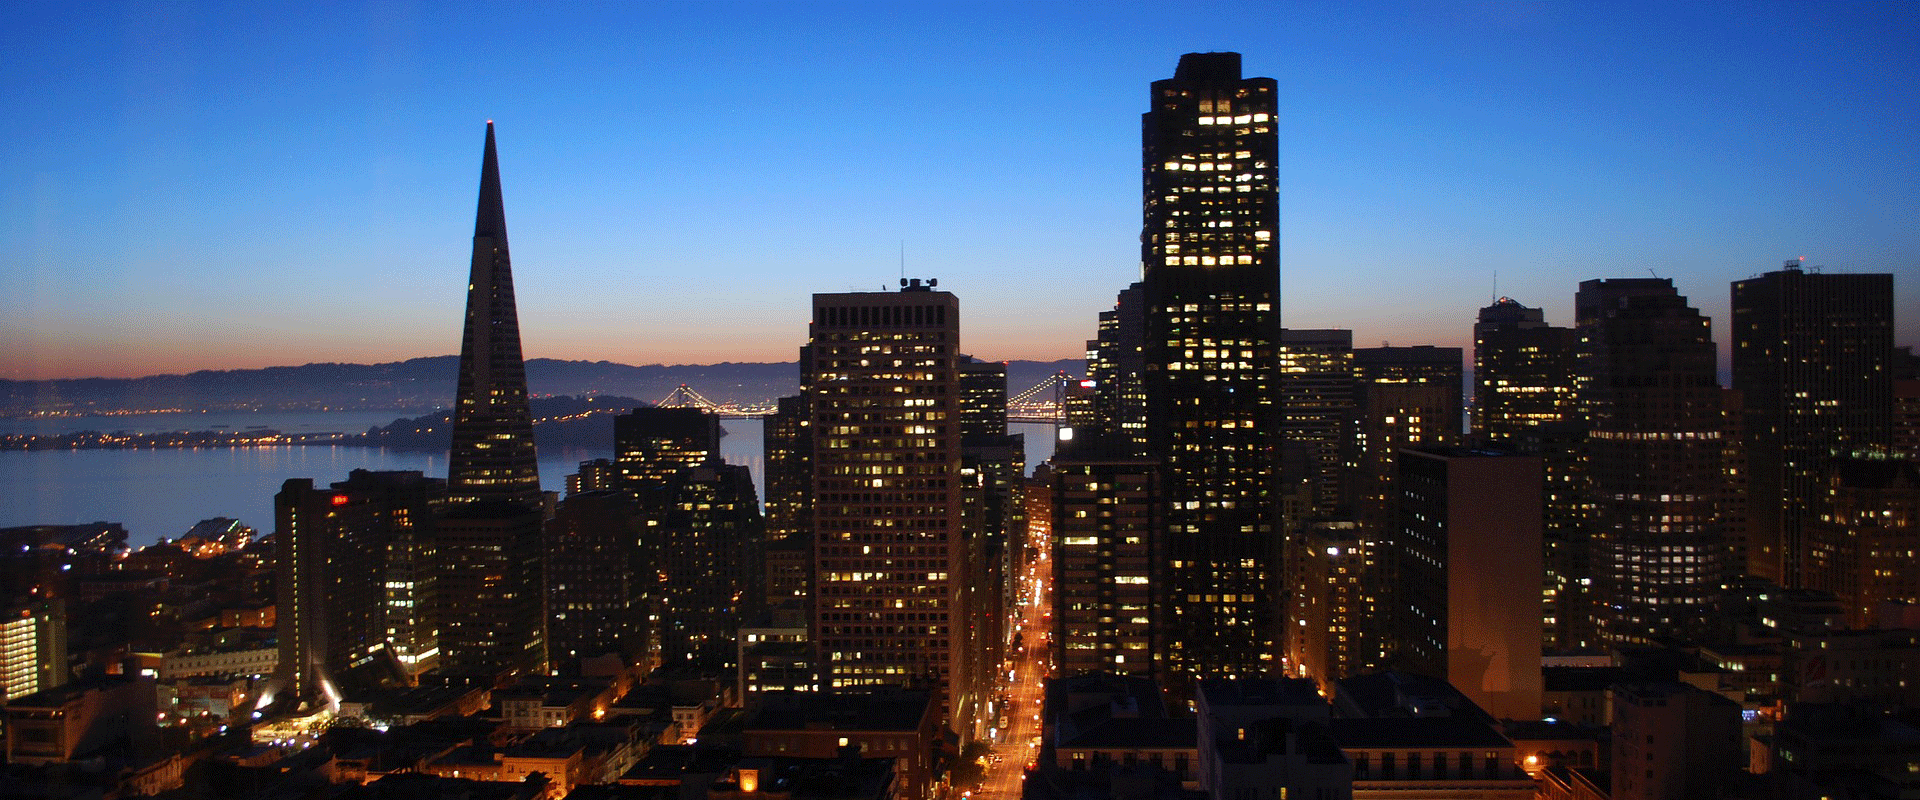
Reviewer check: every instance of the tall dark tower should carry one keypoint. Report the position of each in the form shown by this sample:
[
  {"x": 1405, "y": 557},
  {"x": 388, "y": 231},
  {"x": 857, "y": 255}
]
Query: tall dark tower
[
  {"x": 1647, "y": 385},
  {"x": 1210, "y": 257},
  {"x": 489, "y": 566},
  {"x": 1812, "y": 357},
  {"x": 492, "y": 456}
]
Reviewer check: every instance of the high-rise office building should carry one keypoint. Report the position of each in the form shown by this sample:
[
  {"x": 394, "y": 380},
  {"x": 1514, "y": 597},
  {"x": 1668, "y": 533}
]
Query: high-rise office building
[
  {"x": 596, "y": 579},
  {"x": 492, "y": 456},
  {"x": 353, "y": 574},
  {"x": 707, "y": 546},
  {"x": 883, "y": 389},
  {"x": 993, "y": 521},
  {"x": 701, "y": 529},
  {"x": 1210, "y": 261},
  {"x": 1316, "y": 397},
  {"x": 1811, "y": 357},
  {"x": 787, "y": 440},
  {"x": 33, "y": 647},
  {"x": 1115, "y": 365},
  {"x": 1402, "y": 397},
  {"x": 493, "y": 616},
  {"x": 1523, "y": 372},
  {"x": 1104, "y": 506},
  {"x": 1648, "y": 389},
  {"x": 1343, "y": 573},
  {"x": 1469, "y": 560},
  {"x": 651, "y": 445},
  {"x": 1861, "y": 547},
  {"x": 1523, "y": 401}
]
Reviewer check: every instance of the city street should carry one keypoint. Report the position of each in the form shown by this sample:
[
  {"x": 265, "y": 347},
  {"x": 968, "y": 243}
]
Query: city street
[{"x": 1017, "y": 745}]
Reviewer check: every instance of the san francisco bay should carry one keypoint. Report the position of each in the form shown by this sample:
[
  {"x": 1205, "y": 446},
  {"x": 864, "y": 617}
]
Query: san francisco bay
[{"x": 160, "y": 493}]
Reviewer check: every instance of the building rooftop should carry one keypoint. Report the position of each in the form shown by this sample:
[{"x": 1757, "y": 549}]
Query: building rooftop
[
  {"x": 1146, "y": 733},
  {"x": 881, "y": 711},
  {"x": 1261, "y": 692},
  {"x": 1450, "y": 732}
]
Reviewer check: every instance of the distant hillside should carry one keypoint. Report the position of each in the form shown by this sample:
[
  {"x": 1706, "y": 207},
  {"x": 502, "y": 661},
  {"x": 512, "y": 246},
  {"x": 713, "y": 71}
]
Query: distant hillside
[
  {"x": 420, "y": 383},
  {"x": 559, "y": 423}
]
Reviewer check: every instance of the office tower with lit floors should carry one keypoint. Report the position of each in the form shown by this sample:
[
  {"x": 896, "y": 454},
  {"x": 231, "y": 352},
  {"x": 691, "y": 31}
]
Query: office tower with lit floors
[
  {"x": 1653, "y": 405},
  {"x": 883, "y": 389},
  {"x": 353, "y": 572},
  {"x": 493, "y": 615},
  {"x": 1116, "y": 369},
  {"x": 1522, "y": 372},
  {"x": 1316, "y": 399},
  {"x": 1812, "y": 359},
  {"x": 1210, "y": 259},
  {"x": 1524, "y": 402},
  {"x": 1402, "y": 397},
  {"x": 1103, "y": 508}
]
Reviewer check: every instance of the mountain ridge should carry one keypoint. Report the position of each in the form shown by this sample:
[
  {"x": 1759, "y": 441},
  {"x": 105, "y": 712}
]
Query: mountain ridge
[{"x": 419, "y": 383}]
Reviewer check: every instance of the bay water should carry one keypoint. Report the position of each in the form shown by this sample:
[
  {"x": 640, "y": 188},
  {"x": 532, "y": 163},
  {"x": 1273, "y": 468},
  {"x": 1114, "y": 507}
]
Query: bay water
[{"x": 161, "y": 493}]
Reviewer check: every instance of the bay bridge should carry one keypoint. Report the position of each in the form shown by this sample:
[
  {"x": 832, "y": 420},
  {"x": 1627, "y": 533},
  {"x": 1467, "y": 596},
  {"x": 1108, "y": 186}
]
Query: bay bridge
[{"x": 1042, "y": 402}]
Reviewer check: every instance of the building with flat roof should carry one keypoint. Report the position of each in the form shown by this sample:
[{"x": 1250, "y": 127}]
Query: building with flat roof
[{"x": 1469, "y": 555}]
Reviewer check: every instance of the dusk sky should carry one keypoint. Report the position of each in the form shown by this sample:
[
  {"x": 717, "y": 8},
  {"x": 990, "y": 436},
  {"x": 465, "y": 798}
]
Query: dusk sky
[{"x": 192, "y": 185}]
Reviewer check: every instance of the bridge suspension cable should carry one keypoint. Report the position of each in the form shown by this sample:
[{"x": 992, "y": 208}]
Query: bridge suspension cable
[{"x": 683, "y": 396}]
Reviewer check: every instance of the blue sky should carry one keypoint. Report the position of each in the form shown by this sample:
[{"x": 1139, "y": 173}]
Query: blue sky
[{"x": 217, "y": 185}]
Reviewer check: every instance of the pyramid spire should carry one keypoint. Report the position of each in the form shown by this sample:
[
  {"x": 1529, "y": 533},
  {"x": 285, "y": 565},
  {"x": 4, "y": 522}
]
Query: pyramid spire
[{"x": 493, "y": 455}]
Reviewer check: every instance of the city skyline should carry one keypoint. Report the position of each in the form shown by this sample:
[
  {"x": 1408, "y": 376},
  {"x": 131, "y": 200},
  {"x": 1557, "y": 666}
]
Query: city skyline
[{"x": 215, "y": 187}]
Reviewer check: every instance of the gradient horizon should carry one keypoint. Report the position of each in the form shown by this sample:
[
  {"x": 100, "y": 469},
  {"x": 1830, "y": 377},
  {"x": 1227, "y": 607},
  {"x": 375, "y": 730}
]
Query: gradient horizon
[{"x": 214, "y": 186}]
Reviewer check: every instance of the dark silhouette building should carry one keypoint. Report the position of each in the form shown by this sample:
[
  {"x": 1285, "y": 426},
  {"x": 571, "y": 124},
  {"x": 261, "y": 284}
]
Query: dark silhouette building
[
  {"x": 701, "y": 531},
  {"x": 595, "y": 587},
  {"x": 1210, "y": 257},
  {"x": 1115, "y": 365},
  {"x": 993, "y": 523},
  {"x": 651, "y": 445},
  {"x": 1523, "y": 372},
  {"x": 1653, "y": 404},
  {"x": 493, "y": 618},
  {"x": 1812, "y": 359},
  {"x": 353, "y": 575},
  {"x": 1524, "y": 401},
  {"x": 1469, "y": 560}
]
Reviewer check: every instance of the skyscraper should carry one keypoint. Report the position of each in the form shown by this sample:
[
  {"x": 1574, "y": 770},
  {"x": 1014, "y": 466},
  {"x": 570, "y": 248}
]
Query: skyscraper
[
  {"x": 350, "y": 574},
  {"x": 1210, "y": 258},
  {"x": 489, "y": 564},
  {"x": 1402, "y": 397},
  {"x": 1468, "y": 547},
  {"x": 1653, "y": 404},
  {"x": 1812, "y": 356},
  {"x": 1114, "y": 364},
  {"x": 1523, "y": 401},
  {"x": 1103, "y": 508},
  {"x": 597, "y": 579},
  {"x": 1522, "y": 372},
  {"x": 492, "y": 456},
  {"x": 884, "y": 391},
  {"x": 1316, "y": 399}
]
